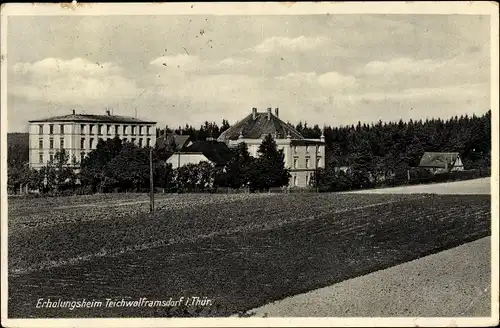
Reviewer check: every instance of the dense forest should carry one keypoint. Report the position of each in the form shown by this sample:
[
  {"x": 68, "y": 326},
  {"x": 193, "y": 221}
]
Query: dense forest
[
  {"x": 376, "y": 154},
  {"x": 400, "y": 143}
]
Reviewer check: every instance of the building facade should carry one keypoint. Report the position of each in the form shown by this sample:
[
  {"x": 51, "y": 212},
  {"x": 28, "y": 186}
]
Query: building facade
[
  {"x": 79, "y": 134},
  {"x": 302, "y": 156}
]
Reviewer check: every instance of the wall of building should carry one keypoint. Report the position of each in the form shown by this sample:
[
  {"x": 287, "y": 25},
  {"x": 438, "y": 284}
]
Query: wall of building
[
  {"x": 180, "y": 159},
  {"x": 81, "y": 138}
]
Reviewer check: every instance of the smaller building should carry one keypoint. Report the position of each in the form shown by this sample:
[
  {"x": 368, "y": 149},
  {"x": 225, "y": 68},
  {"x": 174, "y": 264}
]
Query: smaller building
[
  {"x": 437, "y": 162},
  {"x": 211, "y": 151}
]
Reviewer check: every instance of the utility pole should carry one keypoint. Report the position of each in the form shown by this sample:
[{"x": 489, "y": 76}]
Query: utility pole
[{"x": 151, "y": 185}]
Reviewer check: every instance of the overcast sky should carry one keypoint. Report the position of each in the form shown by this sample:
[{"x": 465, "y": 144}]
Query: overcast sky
[{"x": 323, "y": 69}]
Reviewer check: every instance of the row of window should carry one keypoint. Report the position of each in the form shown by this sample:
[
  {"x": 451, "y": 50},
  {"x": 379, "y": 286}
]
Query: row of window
[
  {"x": 132, "y": 140},
  {"x": 51, "y": 128},
  {"x": 51, "y": 143},
  {"x": 296, "y": 161},
  {"x": 91, "y": 142},
  {"x": 115, "y": 129},
  {"x": 100, "y": 128},
  {"x": 307, "y": 149}
]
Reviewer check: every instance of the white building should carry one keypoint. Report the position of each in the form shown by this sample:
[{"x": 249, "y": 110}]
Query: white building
[
  {"x": 302, "y": 156},
  {"x": 79, "y": 134}
]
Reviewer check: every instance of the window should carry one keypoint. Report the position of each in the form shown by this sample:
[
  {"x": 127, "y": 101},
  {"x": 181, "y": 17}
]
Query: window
[
  {"x": 116, "y": 129},
  {"x": 140, "y": 130},
  {"x": 125, "y": 140},
  {"x": 40, "y": 158},
  {"x": 294, "y": 163},
  {"x": 133, "y": 140},
  {"x": 51, "y": 129},
  {"x": 91, "y": 128},
  {"x": 99, "y": 129},
  {"x": 133, "y": 129},
  {"x": 294, "y": 180},
  {"x": 148, "y": 130},
  {"x": 148, "y": 142},
  {"x": 40, "y": 129},
  {"x": 318, "y": 161},
  {"x": 307, "y": 180},
  {"x": 61, "y": 127},
  {"x": 307, "y": 163},
  {"x": 40, "y": 143},
  {"x": 51, "y": 143},
  {"x": 91, "y": 142},
  {"x": 295, "y": 149},
  {"x": 61, "y": 143},
  {"x": 108, "y": 129},
  {"x": 82, "y": 156},
  {"x": 82, "y": 128},
  {"x": 317, "y": 149},
  {"x": 51, "y": 157},
  {"x": 307, "y": 149},
  {"x": 124, "y": 129},
  {"x": 82, "y": 143},
  {"x": 140, "y": 142}
]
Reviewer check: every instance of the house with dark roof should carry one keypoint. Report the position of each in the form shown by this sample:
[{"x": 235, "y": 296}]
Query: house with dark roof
[
  {"x": 438, "y": 162},
  {"x": 302, "y": 156},
  {"x": 79, "y": 134},
  {"x": 201, "y": 151}
]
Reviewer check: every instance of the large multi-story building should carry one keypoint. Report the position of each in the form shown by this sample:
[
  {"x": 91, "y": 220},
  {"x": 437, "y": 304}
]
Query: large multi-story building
[
  {"x": 79, "y": 134},
  {"x": 302, "y": 156}
]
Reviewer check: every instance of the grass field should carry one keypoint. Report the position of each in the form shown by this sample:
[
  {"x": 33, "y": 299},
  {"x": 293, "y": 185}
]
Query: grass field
[{"x": 241, "y": 251}]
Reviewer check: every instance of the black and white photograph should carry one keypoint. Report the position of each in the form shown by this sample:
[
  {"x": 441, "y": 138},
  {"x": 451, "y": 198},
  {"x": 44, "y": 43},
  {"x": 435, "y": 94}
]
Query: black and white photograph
[{"x": 249, "y": 164}]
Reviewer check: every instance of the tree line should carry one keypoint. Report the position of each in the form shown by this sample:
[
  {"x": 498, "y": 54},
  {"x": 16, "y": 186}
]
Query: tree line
[{"x": 357, "y": 156}]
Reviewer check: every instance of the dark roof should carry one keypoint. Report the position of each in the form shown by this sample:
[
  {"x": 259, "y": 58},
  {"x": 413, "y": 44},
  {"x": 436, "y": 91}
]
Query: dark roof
[
  {"x": 180, "y": 140},
  {"x": 438, "y": 160},
  {"x": 260, "y": 126},
  {"x": 93, "y": 118},
  {"x": 215, "y": 151}
]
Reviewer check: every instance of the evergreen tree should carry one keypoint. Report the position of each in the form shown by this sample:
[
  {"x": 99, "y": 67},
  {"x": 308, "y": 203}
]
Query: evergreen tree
[{"x": 269, "y": 170}]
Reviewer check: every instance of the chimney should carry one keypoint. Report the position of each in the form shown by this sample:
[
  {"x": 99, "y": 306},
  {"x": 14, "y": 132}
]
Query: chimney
[
  {"x": 276, "y": 112},
  {"x": 254, "y": 113},
  {"x": 108, "y": 112},
  {"x": 269, "y": 113},
  {"x": 73, "y": 112}
]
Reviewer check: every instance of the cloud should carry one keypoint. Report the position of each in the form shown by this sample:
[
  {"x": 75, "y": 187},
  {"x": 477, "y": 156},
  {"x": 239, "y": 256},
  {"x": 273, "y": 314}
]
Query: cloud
[
  {"x": 327, "y": 80},
  {"x": 184, "y": 61},
  {"x": 73, "y": 81},
  {"x": 55, "y": 66},
  {"x": 234, "y": 62},
  {"x": 402, "y": 66},
  {"x": 301, "y": 43}
]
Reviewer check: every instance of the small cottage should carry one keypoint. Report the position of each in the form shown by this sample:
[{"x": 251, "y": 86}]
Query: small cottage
[{"x": 437, "y": 162}]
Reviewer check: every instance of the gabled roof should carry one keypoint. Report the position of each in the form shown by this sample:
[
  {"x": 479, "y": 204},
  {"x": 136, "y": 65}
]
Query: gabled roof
[
  {"x": 181, "y": 141},
  {"x": 216, "y": 152},
  {"x": 259, "y": 127},
  {"x": 88, "y": 118},
  {"x": 438, "y": 160}
]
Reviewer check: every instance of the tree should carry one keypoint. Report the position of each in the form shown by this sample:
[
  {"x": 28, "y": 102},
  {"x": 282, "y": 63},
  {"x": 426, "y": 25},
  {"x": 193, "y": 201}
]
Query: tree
[
  {"x": 130, "y": 168},
  {"x": 269, "y": 170},
  {"x": 17, "y": 164},
  {"x": 237, "y": 169},
  {"x": 94, "y": 168}
]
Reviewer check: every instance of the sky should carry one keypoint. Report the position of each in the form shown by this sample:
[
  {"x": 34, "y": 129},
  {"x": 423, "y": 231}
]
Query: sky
[{"x": 321, "y": 69}]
